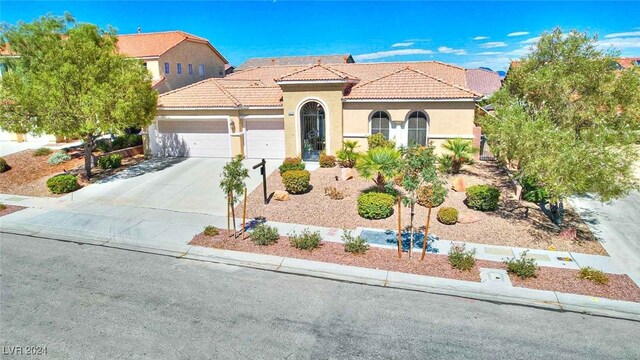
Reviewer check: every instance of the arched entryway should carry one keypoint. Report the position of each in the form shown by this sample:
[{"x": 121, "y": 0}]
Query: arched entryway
[{"x": 312, "y": 125}]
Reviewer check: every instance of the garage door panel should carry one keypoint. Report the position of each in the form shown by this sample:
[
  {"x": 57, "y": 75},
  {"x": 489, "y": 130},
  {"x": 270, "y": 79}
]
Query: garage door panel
[
  {"x": 195, "y": 138},
  {"x": 265, "y": 138}
]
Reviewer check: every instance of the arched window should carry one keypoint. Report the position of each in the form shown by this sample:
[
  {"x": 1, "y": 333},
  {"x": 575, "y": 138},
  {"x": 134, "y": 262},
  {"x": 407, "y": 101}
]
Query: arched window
[
  {"x": 417, "y": 126},
  {"x": 380, "y": 124}
]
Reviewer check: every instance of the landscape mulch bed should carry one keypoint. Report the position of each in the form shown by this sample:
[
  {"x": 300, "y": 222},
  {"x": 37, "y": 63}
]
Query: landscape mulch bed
[
  {"x": 29, "y": 174},
  {"x": 515, "y": 223},
  {"x": 620, "y": 287},
  {"x": 9, "y": 209}
]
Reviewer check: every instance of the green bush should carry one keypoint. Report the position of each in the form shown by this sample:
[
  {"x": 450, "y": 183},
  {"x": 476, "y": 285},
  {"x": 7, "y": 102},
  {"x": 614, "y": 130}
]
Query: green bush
[
  {"x": 291, "y": 164},
  {"x": 296, "y": 181},
  {"x": 375, "y": 205},
  {"x": 378, "y": 141},
  {"x": 327, "y": 161},
  {"x": 306, "y": 241},
  {"x": 357, "y": 245},
  {"x": 112, "y": 161},
  {"x": 3, "y": 165},
  {"x": 483, "y": 197},
  {"x": 58, "y": 158},
  {"x": 532, "y": 191},
  {"x": 462, "y": 259},
  {"x": 523, "y": 267},
  {"x": 126, "y": 141},
  {"x": 2, "y": 207},
  {"x": 447, "y": 215},
  {"x": 63, "y": 183},
  {"x": 211, "y": 231},
  {"x": 43, "y": 151},
  {"x": 264, "y": 234},
  {"x": 347, "y": 156},
  {"x": 445, "y": 163},
  {"x": 595, "y": 275},
  {"x": 436, "y": 199},
  {"x": 103, "y": 145}
]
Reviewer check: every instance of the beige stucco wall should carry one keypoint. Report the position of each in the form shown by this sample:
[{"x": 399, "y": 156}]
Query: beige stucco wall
[
  {"x": 154, "y": 68},
  {"x": 185, "y": 53},
  {"x": 330, "y": 96}
]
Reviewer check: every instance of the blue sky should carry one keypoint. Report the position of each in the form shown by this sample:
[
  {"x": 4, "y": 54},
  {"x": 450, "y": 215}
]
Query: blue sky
[{"x": 470, "y": 34}]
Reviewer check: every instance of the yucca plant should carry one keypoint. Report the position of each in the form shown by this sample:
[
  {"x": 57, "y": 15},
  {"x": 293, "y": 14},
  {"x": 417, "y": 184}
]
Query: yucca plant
[
  {"x": 461, "y": 153},
  {"x": 379, "y": 164},
  {"x": 347, "y": 156}
]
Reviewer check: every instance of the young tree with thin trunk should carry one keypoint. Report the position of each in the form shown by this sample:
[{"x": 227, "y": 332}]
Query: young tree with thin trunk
[
  {"x": 569, "y": 118},
  {"x": 233, "y": 176},
  {"x": 68, "y": 80}
]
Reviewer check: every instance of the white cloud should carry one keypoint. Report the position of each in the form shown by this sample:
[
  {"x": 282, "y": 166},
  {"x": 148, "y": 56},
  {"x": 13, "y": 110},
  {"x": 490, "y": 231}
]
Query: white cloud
[
  {"x": 518, "y": 33},
  {"x": 620, "y": 43},
  {"x": 418, "y": 40},
  {"x": 480, "y": 38},
  {"x": 448, "y": 50},
  {"x": 489, "y": 53},
  {"x": 403, "y": 44},
  {"x": 493, "y": 44},
  {"x": 391, "y": 53},
  {"x": 622, "y": 34},
  {"x": 533, "y": 40}
]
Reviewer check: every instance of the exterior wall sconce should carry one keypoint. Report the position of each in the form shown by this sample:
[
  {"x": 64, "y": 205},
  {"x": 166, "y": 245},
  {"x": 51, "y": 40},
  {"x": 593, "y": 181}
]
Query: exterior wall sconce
[{"x": 232, "y": 125}]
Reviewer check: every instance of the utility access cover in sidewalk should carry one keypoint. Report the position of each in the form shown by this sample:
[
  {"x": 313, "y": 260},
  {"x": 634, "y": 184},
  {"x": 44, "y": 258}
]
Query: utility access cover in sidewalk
[{"x": 495, "y": 277}]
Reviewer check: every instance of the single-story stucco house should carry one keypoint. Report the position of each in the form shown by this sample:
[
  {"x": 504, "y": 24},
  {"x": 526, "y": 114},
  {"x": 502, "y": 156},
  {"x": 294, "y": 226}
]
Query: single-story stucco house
[{"x": 301, "y": 110}]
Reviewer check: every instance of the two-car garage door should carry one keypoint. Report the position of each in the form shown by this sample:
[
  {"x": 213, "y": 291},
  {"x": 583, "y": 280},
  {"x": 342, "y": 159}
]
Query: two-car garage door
[{"x": 264, "y": 138}]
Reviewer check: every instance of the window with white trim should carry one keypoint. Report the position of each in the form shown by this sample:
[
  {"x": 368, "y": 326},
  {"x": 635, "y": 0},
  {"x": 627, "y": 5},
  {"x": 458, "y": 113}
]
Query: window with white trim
[
  {"x": 167, "y": 68},
  {"x": 190, "y": 69},
  {"x": 380, "y": 123},
  {"x": 201, "y": 70},
  {"x": 179, "y": 68},
  {"x": 417, "y": 128}
]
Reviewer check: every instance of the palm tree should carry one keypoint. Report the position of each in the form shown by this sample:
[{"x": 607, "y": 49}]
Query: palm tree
[
  {"x": 379, "y": 164},
  {"x": 461, "y": 153},
  {"x": 347, "y": 156}
]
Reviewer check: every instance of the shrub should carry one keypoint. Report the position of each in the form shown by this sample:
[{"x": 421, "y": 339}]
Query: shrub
[
  {"x": 447, "y": 215},
  {"x": 347, "y": 156},
  {"x": 436, "y": 199},
  {"x": 3, "y": 165},
  {"x": 327, "y": 161},
  {"x": 63, "y": 183},
  {"x": 462, "y": 259},
  {"x": 103, "y": 145},
  {"x": 375, "y": 205},
  {"x": 334, "y": 193},
  {"x": 126, "y": 141},
  {"x": 595, "y": 275},
  {"x": 112, "y": 161},
  {"x": 58, "y": 158},
  {"x": 2, "y": 207},
  {"x": 296, "y": 181},
  {"x": 532, "y": 191},
  {"x": 291, "y": 164},
  {"x": 378, "y": 141},
  {"x": 483, "y": 197},
  {"x": 43, "y": 151},
  {"x": 264, "y": 234},
  {"x": 357, "y": 245},
  {"x": 211, "y": 231},
  {"x": 523, "y": 267},
  {"x": 461, "y": 153},
  {"x": 445, "y": 163},
  {"x": 306, "y": 241}
]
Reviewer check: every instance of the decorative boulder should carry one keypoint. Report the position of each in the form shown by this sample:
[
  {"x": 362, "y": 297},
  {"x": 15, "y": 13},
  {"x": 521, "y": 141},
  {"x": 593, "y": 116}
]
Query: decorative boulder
[
  {"x": 468, "y": 218},
  {"x": 459, "y": 184},
  {"x": 348, "y": 174},
  {"x": 281, "y": 195}
]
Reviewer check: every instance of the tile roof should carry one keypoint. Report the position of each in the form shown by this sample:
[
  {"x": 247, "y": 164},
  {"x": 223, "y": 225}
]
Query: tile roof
[
  {"x": 258, "y": 87},
  {"x": 408, "y": 84},
  {"x": 296, "y": 60},
  {"x": 629, "y": 62},
  {"x": 318, "y": 72},
  {"x": 483, "y": 81},
  {"x": 156, "y": 43}
]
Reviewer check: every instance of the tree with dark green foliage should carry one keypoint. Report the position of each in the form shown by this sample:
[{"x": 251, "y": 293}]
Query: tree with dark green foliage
[
  {"x": 233, "y": 176},
  {"x": 569, "y": 119},
  {"x": 69, "y": 80}
]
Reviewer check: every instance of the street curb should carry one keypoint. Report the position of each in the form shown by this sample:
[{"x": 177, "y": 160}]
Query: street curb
[{"x": 467, "y": 289}]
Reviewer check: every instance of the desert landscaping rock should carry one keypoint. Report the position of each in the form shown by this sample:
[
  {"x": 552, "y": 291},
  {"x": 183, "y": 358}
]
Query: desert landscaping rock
[
  {"x": 469, "y": 218},
  {"x": 348, "y": 174},
  {"x": 458, "y": 184},
  {"x": 281, "y": 195}
]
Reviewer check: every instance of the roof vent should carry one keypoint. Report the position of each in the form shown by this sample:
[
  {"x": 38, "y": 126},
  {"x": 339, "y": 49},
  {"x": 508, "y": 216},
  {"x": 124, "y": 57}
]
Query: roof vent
[
  {"x": 273, "y": 61},
  {"x": 345, "y": 58},
  {"x": 139, "y": 29}
]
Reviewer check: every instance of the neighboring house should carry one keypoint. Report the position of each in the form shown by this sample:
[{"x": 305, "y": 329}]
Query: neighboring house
[
  {"x": 483, "y": 81},
  {"x": 302, "y": 110},
  {"x": 628, "y": 62},
  {"x": 174, "y": 58},
  {"x": 296, "y": 60}
]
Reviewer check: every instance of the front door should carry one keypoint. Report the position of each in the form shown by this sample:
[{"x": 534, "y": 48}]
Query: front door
[{"x": 313, "y": 130}]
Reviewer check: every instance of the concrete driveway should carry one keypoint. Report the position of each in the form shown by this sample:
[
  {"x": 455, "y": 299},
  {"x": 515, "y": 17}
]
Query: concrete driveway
[{"x": 175, "y": 184}]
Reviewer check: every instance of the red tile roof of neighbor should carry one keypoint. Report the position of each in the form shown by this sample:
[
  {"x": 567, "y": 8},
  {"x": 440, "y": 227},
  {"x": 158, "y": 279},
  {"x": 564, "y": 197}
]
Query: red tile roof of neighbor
[
  {"x": 629, "y": 62},
  {"x": 157, "y": 43},
  {"x": 377, "y": 81},
  {"x": 483, "y": 81}
]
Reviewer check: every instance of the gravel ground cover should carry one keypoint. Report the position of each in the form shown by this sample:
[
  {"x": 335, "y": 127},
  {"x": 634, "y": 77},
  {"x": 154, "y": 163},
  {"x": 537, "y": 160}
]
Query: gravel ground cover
[
  {"x": 515, "y": 223},
  {"x": 620, "y": 287},
  {"x": 8, "y": 209}
]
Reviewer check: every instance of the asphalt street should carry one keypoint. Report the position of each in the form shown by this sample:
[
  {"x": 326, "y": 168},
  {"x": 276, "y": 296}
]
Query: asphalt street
[{"x": 83, "y": 301}]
